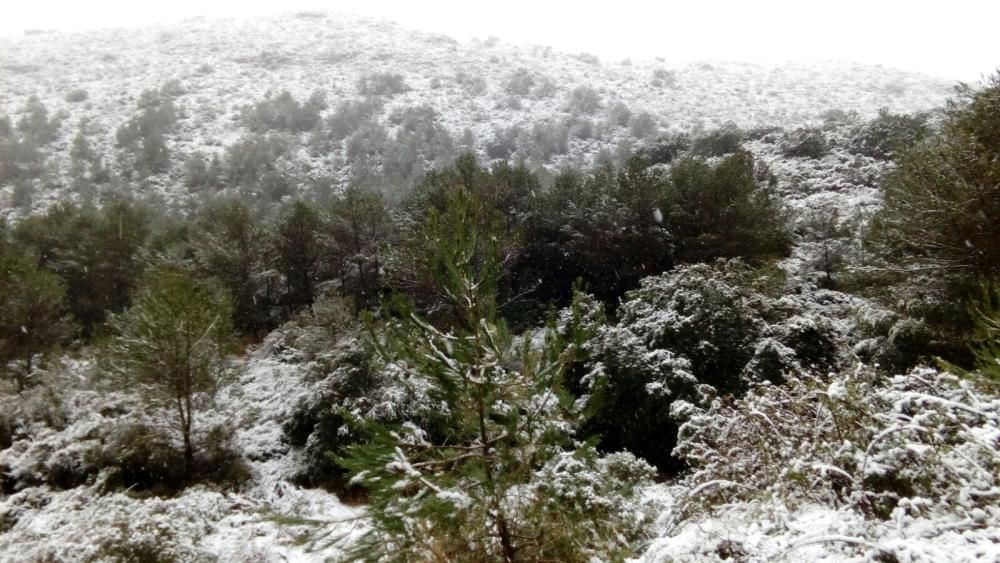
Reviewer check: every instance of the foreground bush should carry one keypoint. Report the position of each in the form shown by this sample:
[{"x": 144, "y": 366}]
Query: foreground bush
[{"x": 914, "y": 444}]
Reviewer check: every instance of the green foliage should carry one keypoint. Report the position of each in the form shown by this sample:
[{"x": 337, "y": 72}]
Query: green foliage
[
  {"x": 95, "y": 253},
  {"x": 824, "y": 227},
  {"x": 465, "y": 488},
  {"x": 32, "y": 315},
  {"x": 360, "y": 226},
  {"x": 889, "y": 135},
  {"x": 726, "y": 210},
  {"x": 228, "y": 241},
  {"x": 297, "y": 246},
  {"x": 602, "y": 228},
  {"x": 170, "y": 345},
  {"x": 719, "y": 142},
  {"x": 503, "y": 191},
  {"x": 940, "y": 221},
  {"x": 986, "y": 340}
]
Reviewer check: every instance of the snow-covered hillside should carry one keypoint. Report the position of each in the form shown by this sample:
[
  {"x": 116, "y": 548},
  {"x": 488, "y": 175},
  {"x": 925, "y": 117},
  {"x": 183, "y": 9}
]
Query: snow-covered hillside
[{"x": 477, "y": 89}]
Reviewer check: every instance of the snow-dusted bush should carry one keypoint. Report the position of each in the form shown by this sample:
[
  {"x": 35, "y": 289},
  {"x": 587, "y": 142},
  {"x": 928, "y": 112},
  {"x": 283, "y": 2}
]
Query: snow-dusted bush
[
  {"x": 889, "y": 134},
  {"x": 718, "y": 142},
  {"x": 143, "y": 137},
  {"x": 382, "y": 84},
  {"x": 284, "y": 113},
  {"x": 77, "y": 95},
  {"x": 685, "y": 337},
  {"x": 927, "y": 442},
  {"x": 805, "y": 143},
  {"x": 642, "y": 125},
  {"x": 346, "y": 119},
  {"x": 504, "y": 142},
  {"x": 584, "y": 100},
  {"x": 254, "y": 164}
]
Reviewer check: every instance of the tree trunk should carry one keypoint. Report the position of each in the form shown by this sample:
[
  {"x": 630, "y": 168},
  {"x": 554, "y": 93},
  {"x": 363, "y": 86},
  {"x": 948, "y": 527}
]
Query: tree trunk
[{"x": 506, "y": 542}]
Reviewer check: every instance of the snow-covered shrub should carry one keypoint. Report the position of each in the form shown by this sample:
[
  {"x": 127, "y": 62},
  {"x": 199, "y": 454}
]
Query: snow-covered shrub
[
  {"x": 642, "y": 125},
  {"x": 805, "y": 143},
  {"x": 888, "y": 134},
  {"x": 284, "y": 113},
  {"x": 924, "y": 442},
  {"x": 77, "y": 95},
  {"x": 584, "y": 100},
  {"x": 347, "y": 118},
  {"x": 421, "y": 143},
  {"x": 254, "y": 164},
  {"x": 473, "y": 84},
  {"x": 143, "y": 137},
  {"x": 382, "y": 84},
  {"x": 618, "y": 115},
  {"x": 906, "y": 344},
  {"x": 519, "y": 83},
  {"x": 326, "y": 423},
  {"x": 504, "y": 142},
  {"x": 685, "y": 337},
  {"x": 545, "y": 140},
  {"x": 719, "y": 142},
  {"x": 664, "y": 149},
  {"x": 583, "y": 507}
]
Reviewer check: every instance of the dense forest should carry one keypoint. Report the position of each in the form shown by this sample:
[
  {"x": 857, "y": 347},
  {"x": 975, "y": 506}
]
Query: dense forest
[{"x": 458, "y": 349}]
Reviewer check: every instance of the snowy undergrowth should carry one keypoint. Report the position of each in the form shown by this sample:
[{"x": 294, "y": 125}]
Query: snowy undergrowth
[
  {"x": 265, "y": 519},
  {"x": 850, "y": 469}
]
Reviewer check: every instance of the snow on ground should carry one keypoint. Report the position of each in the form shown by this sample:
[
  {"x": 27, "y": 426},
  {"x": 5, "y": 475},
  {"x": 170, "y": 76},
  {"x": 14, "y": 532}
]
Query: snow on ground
[
  {"x": 267, "y": 519},
  {"x": 765, "y": 532}
]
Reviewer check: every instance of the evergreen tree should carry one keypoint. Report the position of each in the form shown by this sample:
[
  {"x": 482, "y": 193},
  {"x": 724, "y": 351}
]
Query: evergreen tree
[
  {"x": 170, "y": 345},
  {"x": 359, "y": 225},
  {"x": 942, "y": 204},
  {"x": 32, "y": 315},
  {"x": 724, "y": 211},
  {"x": 228, "y": 245},
  {"x": 95, "y": 253},
  {"x": 298, "y": 249},
  {"x": 480, "y": 484}
]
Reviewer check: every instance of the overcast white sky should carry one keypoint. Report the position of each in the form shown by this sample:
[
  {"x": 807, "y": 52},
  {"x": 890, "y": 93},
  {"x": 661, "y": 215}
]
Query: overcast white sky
[{"x": 954, "y": 39}]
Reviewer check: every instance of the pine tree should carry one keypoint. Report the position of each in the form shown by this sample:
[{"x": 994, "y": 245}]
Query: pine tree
[
  {"x": 32, "y": 315},
  {"x": 170, "y": 345},
  {"x": 466, "y": 486},
  {"x": 942, "y": 203},
  {"x": 228, "y": 246},
  {"x": 297, "y": 243},
  {"x": 359, "y": 225}
]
